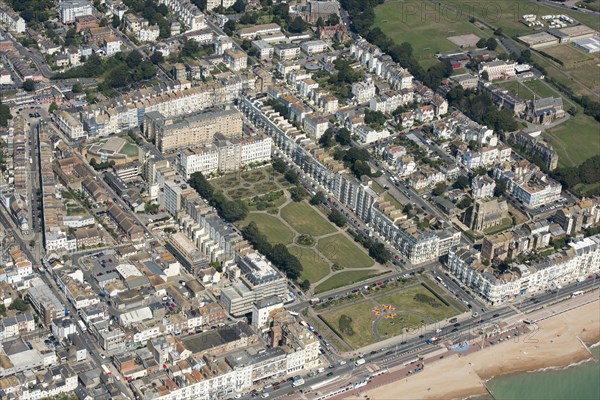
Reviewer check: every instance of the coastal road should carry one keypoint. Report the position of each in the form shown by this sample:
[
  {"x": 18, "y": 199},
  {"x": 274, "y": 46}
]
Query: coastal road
[{"x": 466, "y": 330}]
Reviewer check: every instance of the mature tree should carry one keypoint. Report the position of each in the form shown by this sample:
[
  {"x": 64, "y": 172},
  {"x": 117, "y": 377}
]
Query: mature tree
[
  {"x": 77, "y": 88},
  {"x": 249, "y": 18},
  {"x": 201, "y": 185},
  {"x": 5, "y": 114},
  {"x": 360, "y": 168},
  {"x": 116, "y": 21},
  {"x": 292, "y": 176},
  {"x": 53, "y": 107},
  {"x": 318, "y": 198},
  {"x": 481, "y": 43},
  {"x": 279, "y": 165},
  {"x": 326, "y": 139},
  {"x": 500, "y": 188},
  {"x": 133, "y": 59},
  {"x": 190, "y": 48},
  {"x": 491, "y": 44},
  {"x": 356, "y": 153},
  {"x": 157, "y": 57},
  {"x": 379, "y": 253},
  {"x": 589, "y": 170},
  {"x": 343, "y": 137},
  {"x": 485, "y": 76},
  {"x": 461, "y": 182},
  {"x": 229, "y": 27},
  {"x": 305, "y": 285},
  {"x": 439, "y": 189},
  {"x": 118, "y": 77},
  {"x": 282, "y": 10},
  {"x": 297, "y": 25},
  {"x": 163, "y": 9},
  {"x": 29, "y": 85},
  {"x": 297, "y": 193},
  {"x": 239, "y": 6},
  {"x": 465, "y": 202},
  {"x": 337, "y": 218},
  {"x": 230, "y": 210},
  {"x": 19, "y": 305}
]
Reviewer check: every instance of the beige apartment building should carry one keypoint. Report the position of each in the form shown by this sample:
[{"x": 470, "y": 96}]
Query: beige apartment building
[{"x": 174, "y": 133}]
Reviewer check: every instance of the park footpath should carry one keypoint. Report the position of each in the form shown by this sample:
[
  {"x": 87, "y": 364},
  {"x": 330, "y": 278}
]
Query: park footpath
[{"x": 424, "y": 330}]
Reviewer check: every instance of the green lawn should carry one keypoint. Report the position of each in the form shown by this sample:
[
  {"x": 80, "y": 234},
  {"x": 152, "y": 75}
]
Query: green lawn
[
  {"x": 542, "y": 89},
  {"x": 344, "y": 278},
  {"x": 362, "y": 323},
  {"x": 393, "y": 327},
  {"x": 520, "y": 90},
  {"x": 507, "y": 13},
  {"x": 582, "y": 189},
  {"x": 422, "y": 27},
  {"x": 130, "y": 150},
  {"x": 377, "y": 188},
  {"x": 271, "y": 227},
  {"x": 339, "y": 249},
  {"x": 304, "y": 219},
  {"x": 575, "y": 140},
  {"x": 314, "y": 268},
  {"x": 506, "y": 224},
  {"x": 403, "y": 300}
]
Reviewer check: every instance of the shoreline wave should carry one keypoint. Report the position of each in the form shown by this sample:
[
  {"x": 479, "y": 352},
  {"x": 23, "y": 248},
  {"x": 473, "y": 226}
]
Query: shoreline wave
[{"x": 591, "y": 358}]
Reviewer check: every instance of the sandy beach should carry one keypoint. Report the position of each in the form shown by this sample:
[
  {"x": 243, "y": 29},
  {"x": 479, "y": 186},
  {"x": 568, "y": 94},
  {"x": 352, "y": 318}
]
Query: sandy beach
[{"x": 556, "y": 343}]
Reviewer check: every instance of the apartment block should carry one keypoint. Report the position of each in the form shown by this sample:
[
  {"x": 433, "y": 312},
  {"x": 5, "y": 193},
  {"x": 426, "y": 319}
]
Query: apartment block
[
  {"x": 235, "y": 59},
  {"x": 551, "y": 272},
  {"x": 70, "y": 125},
  {"x": 68, "y": 10},
  {"x": 259, "y": 280},
  {"x": 170, "y": 134},
  {"x": 187, "y": 12}
]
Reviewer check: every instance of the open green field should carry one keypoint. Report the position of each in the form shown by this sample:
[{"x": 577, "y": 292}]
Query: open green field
[
  {"x": 542, "y": 89},
  {"x": 427, "y": 24},
  {"x": 586, "y": 190},
  {"x": 362, "y": 324},
  {"x": 304, "y": 219},
  {"x": 339, "y": 249},
  {"x": 314, "y": 267},
  {"x": 271, "y": 227},
  {"x": 519, "y": 89},
  {"x": 415, "y": 306},
  {"x": 423, "y": 27},
  {"x": 405, "y": 300},
  {"x": 507, "y": 13},
  {"x": 506, "y": 224},
  {"x": 377, "y": 188},
  {"x": 575, "y": 140},
  {"x": 344, "y": 278},
  {"x": 130, "y": 150}
]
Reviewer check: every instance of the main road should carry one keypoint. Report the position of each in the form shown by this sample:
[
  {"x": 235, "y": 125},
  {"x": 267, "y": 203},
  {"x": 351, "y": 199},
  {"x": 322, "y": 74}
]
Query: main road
[{"x": 417, "y": 346}]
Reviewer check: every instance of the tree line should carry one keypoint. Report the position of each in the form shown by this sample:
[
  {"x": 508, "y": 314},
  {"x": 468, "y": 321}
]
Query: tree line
[
  {"x": 362, "y": 16},
  {"x": 480, "y": 108},
  {"x": 587, "y": 172},
  {"x": 229, "y": 210},
  {"x": 278, "y": 254},
  {"x": 119, "y": 71}
]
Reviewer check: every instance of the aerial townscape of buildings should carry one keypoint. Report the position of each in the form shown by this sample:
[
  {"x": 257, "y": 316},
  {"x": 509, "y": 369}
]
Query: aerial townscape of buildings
[{"x": 149, "y": 152}]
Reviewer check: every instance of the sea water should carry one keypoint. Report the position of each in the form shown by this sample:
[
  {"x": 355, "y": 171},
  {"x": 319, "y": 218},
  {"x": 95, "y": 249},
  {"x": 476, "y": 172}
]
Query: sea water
[{"x": 577, "y": 382}]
